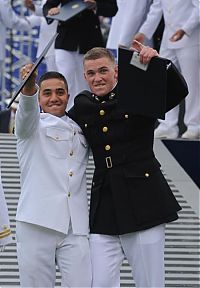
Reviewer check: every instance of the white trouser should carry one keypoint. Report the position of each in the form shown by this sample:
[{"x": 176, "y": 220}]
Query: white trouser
[
  {"x": 144, "y": 251},
  {"x": 51, "y": 63},
  {"x": 39, "y": 250},
  {"x": 187, "y": 61},
  {"x": 70, "y": 64}
]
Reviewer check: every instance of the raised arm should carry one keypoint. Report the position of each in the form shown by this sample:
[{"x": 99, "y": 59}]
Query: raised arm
[{"x": 28, "y": 112}]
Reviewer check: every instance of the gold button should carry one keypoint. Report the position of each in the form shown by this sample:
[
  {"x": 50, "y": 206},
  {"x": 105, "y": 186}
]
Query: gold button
[
  {"x": 68, "y": 194},
  {"x": 107, "y": 147},
  {"x": 146, "y": 174},
  {"x": 71, "y": 153},
  {"x": 85, "y": 124},
  {"x": 105, "y": 129},
  {"x": 126, "y": 115},
  {"x": 70, "y": 173},
  {"x": 102, "y": 112},
  {"x": 103, "y": 102}
]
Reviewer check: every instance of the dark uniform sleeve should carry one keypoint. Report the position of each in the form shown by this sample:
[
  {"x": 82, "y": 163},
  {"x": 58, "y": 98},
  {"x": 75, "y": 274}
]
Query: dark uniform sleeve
[
  {"x": 177, "y": 88},
  {"x": 107, "y": 8},
  {"x": 47, "y": 6},
  {"x": 152, "y": 92}
]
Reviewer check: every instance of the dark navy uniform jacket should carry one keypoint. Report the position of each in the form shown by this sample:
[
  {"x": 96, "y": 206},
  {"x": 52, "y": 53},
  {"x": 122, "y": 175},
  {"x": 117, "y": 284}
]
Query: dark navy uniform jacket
[
  {"x": 129, "y": 192},
  {"x": 83, "y": 31}
]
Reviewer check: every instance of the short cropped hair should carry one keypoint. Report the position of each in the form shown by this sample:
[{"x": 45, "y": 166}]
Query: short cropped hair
[
  {"x": 52, "y": 75},
  {"x": 98, "y": 52}
]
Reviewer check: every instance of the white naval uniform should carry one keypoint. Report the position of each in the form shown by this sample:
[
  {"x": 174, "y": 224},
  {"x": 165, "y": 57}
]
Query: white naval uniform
[
  {"x": 185, "y": 53},
  {"x": 5, "y": 232},
  {"x": 126, "y": 23},
  {"x": 52, "y": 214}
]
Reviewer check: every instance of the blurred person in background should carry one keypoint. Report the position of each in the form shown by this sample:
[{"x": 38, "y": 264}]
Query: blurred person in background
[
  {"x": 5, "y": 232},
  {"x": 45, "y": 34},
  {"x": 180, "y": 44},
  {"x": 7, "y": 117},
  {"x": 9, "y": 19},
  {"x": 126, "y": 23}
]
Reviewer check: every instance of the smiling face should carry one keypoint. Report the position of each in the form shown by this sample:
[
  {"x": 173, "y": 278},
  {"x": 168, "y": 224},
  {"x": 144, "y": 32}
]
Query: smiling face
[
  {"x": 53, "y": 96},
  {"x": 101, "y": 75}
]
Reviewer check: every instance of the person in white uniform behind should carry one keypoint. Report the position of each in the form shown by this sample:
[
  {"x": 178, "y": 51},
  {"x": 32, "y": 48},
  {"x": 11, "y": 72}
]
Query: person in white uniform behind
[
  {"x": 126, "y": 23},
  {"x": 5, "y": 231},
  {"x": 180, "y": 44},
  {"x": 45, "y": 34},
  {"x": 52, "y": 216}
]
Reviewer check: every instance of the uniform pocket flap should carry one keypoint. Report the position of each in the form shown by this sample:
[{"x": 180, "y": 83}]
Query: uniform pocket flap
[{"x": 57, "y": 134}]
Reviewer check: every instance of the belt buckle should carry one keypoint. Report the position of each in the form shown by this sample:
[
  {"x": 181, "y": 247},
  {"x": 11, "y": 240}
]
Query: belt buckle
[{"x": 108, "y": 162}]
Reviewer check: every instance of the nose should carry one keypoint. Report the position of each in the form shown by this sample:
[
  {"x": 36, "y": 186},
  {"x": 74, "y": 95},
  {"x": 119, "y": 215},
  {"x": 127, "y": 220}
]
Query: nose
[
  {"x": 54, "y": 97},
  {"x": 97, "y": 77}
]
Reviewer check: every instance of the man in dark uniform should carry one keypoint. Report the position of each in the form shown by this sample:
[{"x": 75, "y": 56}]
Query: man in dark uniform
[
  {"x": 130, "y": 198},
  {"x": 76, "y": 36}
]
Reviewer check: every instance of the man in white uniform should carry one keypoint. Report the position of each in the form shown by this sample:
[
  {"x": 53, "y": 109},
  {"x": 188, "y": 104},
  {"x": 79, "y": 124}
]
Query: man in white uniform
[
  {"x": 52, "y": 215},
  {"x": 126, "y": 23},
  {"x": 180, "y": 44}
]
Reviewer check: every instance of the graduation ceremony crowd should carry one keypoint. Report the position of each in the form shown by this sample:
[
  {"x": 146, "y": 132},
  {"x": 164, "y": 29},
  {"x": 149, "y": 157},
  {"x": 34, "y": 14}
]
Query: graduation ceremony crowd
[{"x": 76, "y": 109}]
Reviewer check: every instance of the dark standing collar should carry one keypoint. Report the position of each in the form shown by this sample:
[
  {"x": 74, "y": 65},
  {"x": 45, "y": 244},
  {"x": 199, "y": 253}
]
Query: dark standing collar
[{"x": 109, "y": 97}]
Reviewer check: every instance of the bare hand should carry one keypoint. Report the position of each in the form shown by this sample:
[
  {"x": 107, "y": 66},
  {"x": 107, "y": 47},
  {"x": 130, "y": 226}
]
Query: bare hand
[
  {"x": 92, "y": 2},
  {"x": 140, "y": 37},
  {"x": 54, "y": 11},
  {"x": 146, "y": 52},
  {"x": 30, "y": 87},
  {"x": 29, "y": 4},
  {"x": 178, "y": 35}
]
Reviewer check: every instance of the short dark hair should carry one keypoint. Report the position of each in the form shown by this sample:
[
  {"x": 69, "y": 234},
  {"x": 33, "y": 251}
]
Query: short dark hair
[
  {"x": 98, "y": 52},
  {"x": 52, "y": 75}
]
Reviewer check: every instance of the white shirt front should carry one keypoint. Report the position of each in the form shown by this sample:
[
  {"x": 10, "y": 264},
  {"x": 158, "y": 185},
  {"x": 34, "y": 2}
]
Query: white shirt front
[{"x": 53, "y": 155}]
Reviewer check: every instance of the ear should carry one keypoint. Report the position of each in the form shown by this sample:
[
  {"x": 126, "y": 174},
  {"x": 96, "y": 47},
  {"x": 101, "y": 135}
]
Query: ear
[{"x": 116, "y": 72}]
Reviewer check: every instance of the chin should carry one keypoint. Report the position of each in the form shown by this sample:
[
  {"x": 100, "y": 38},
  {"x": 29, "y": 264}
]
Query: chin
[{"x": 100, "y": 92}]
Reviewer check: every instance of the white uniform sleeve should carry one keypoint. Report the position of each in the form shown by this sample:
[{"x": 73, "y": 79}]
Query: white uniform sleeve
[
  {"x": 10, "y": 19},
  {"x": 194, "y": 18},
  {"x": 27, "y": 116},
  {"x": 153, "y": 19},
  {"x": 38, "y": 10}
]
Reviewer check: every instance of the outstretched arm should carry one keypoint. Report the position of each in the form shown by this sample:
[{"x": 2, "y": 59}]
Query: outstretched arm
[{"x": 27, "y": 115}]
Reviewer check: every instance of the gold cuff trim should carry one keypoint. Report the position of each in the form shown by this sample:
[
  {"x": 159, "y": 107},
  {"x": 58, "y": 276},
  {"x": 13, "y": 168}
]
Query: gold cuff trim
[
  {"x": 5, "y": 235},
  {"x": 5, "y": 232}
]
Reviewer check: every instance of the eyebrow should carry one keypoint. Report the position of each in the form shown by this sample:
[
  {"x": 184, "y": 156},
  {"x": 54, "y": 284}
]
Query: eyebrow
[
  {"x": 57, "y": 89},
  {"x": 100, "y": 68}
]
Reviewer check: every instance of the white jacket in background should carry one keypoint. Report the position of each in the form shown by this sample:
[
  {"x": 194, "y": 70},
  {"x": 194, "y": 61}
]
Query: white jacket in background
[
  {"x": 9, "y": 19},
  {"x": 178, "y": 14},
  {"x": 126, "y": 23}
]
